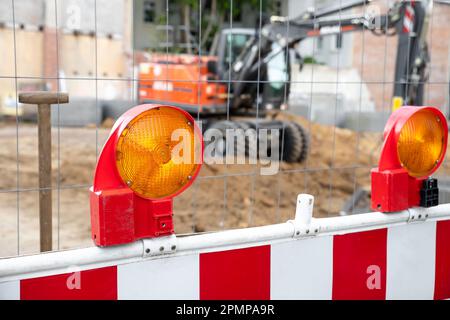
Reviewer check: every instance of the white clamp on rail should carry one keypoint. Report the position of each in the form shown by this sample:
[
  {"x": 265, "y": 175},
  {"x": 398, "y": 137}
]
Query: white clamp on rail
[
  {"x": 160, "y": 246},
  {"x": 304, "y": 222},
  {"x": 417, "y": 214}
]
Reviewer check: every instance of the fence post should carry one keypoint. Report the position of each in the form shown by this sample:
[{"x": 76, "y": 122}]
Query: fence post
[
  {"x": 304, "y": 208},
  {"x": 43, "y": 100}
]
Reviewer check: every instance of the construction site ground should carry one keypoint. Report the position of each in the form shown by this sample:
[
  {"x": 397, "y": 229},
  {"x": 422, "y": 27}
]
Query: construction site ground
[{"x": 223, "y": 197}]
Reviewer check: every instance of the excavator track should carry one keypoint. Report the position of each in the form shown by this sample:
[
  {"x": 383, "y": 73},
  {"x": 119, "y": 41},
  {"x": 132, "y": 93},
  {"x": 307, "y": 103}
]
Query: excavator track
[
  {"x": 305, "y": 143},
  {"x": 292, "y": 145},
  {"x": 293, "y": 139}
]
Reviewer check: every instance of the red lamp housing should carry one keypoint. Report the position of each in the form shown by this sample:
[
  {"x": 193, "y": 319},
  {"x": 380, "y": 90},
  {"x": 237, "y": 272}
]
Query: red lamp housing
[
  {"x": 136, "y": 179},
  {"x": 415, "y": 142}
]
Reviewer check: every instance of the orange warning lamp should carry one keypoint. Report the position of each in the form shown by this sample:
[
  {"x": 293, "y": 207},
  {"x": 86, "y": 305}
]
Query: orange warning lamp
[
  {"x": 153, "y": 153},
  {"x": 415, "y": 142}
]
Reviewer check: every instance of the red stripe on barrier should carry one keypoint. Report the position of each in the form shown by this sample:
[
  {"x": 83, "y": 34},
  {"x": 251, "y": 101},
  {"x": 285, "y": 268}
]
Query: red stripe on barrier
[
  {"x": 359, "y": 265},
  {"x": 95, "y": 284},
  {"x": 236, "y": 274},
  {"x": 442, "y": 273}
]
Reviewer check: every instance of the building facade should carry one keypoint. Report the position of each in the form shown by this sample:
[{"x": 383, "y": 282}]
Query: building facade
[
  {"x": 68, "y": 44},
  {"x": 65, "y": 45}
]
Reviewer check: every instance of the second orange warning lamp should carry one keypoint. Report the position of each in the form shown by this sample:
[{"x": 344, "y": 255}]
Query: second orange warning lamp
[{"x": 415, "y": 142}]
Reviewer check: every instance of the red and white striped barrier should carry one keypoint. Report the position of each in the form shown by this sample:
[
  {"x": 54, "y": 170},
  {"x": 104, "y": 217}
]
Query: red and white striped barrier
[{"x": 402, "y": 255}]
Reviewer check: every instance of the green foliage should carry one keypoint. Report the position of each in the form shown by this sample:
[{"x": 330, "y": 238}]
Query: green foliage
[
  {"x": 311, "y": 60},
  {"x": 191, "y": 3},
  {"x": 161, "y": 19},
  {"x": 225, "y": 6},
  {"x": 223, "y": 10}
]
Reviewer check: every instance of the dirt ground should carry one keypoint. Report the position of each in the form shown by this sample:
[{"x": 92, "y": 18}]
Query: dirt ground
[{"x": 223, "y": 197}]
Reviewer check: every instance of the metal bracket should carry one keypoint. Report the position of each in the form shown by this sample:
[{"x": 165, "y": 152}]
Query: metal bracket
[
  {"x": 301, "y": 231},
  {"x": 417, "y": 214},
  {"x": 159, "y": 246},
  {"x": 304, "y": 222}
]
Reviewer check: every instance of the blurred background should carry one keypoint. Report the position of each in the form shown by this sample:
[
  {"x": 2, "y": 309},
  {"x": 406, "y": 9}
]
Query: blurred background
[{"x": 99, "y": 51}]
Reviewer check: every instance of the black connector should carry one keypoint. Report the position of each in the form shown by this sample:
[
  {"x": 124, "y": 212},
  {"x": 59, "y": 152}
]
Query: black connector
[{"x": 429, "y": 194}]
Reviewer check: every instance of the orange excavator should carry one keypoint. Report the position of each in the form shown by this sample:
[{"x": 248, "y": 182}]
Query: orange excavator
[
  {"x": 184, "y": 81},
  {"x": 247, "y": 74}
]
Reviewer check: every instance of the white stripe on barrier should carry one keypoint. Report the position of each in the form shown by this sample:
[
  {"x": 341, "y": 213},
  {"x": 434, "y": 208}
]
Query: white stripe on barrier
[
  {"x": 167, "y": 278},
  {"x": 302, "y": 269},
  {"x": 411, "y": 261},
  {"x": 10, "y": 290}
]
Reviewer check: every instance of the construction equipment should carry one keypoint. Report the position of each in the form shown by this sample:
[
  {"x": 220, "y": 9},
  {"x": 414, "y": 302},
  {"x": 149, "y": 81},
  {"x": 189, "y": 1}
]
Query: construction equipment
[{"x": 249, "y": 72}]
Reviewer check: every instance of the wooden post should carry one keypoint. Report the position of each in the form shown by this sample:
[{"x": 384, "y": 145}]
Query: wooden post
[{"x": 43, "y": 100}]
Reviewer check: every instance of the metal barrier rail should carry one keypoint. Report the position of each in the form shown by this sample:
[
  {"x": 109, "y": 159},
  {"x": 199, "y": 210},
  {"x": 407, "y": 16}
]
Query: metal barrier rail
[{"x": 303, "y": 226}]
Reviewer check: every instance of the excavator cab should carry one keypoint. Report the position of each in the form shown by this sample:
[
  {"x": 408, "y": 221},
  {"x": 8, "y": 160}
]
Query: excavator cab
[
  {"x": 228, "y": 46},
  {"x": 265, "y": 89},
  {"x": 276, "y": 88}
]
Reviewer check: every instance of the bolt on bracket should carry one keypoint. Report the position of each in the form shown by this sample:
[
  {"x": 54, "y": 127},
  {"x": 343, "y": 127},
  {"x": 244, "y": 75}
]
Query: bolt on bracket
[
  {"x": 417, "y": 214},
  {"x": 159, "y": 246},
  {"x": 303, "y": 222}
]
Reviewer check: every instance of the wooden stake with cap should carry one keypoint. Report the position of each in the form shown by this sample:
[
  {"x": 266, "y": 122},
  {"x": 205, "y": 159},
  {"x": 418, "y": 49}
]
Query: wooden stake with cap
[{"x": 43, "y": 100}]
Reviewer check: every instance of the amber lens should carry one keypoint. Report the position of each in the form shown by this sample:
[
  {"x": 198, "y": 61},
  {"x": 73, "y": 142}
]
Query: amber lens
[
  {"x": 421, "y": 143},
  {"x": 145, "y": 157}
]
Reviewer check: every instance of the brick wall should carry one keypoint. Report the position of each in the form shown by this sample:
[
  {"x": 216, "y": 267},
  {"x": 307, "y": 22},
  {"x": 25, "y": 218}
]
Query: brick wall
[
  {"x": 375, "y": 57},
  {"x": 436, "y": 92}
]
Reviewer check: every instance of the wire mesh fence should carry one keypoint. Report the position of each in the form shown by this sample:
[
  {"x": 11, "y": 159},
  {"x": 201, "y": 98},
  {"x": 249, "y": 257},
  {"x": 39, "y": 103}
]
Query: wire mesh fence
[{"x": 337, "y": 83}]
